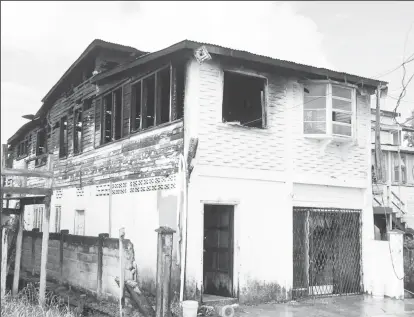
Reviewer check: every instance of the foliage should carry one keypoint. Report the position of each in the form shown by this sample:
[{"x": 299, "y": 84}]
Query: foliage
[{"x": 26, "y": 303}]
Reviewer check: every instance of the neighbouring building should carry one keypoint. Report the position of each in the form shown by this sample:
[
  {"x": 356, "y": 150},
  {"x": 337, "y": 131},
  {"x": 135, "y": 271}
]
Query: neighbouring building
[
  {"x": 394, "y": 189},
  {"x": 277, "y": 156}
]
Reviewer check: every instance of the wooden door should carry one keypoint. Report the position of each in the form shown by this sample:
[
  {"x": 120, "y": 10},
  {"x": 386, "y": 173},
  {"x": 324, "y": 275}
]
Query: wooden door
[{"x": 218, "y": 250}]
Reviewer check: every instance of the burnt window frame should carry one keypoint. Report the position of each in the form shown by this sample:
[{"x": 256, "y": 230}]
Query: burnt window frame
[
  {"x": 104, "y": 97},
  {"x": 172, "y": 104},
  {"x": 63, "y": 150},
  {"x": 264, "y": 98},
  {"x": 23, "y": 148},
  {"x": 76, "y": 150},
  {"x": 45, "y": 140}
]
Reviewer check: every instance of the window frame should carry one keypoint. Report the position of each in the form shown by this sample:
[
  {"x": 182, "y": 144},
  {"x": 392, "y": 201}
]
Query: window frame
[
  {"x": 23, "y": 148},
  {"x": 63, "y": 153},
  {"x": 58, "y": 217},
  {"x": 44, "y": 130},
  {"x": 77, "y": 151},
  {"x": 265, "y": 96},
  {"x": 329, "y": 122}
]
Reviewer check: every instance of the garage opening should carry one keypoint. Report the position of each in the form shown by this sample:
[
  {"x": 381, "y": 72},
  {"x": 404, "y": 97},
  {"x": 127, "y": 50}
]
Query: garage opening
[
  {"x": 326, "y": 252},
  {"x": 218, "y": 250}
]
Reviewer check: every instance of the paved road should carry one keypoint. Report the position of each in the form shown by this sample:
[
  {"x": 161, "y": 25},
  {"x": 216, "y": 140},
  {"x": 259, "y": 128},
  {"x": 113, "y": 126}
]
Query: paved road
[{"x": 349, "y": 306}]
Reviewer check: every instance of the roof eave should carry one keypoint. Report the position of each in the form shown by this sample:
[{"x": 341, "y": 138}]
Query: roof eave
[
  {"x": 95, "y": 44},
  {"x": 243, "y": 55}
]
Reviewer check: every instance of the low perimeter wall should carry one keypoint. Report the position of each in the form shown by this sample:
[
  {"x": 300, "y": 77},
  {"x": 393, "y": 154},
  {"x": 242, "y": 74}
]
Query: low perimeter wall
[
  {"x": 386, "y": 273},
  {"x": 84, "y": 262}
]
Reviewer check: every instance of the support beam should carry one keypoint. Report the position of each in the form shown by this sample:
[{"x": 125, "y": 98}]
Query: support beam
[
  {"x": 25, "y": 173},
  {"x": 45, "y": 245},
  {"x": 26, "y": 190},
  {"x": 4, "y": 247},
  {"x": 19, "y": 241}
]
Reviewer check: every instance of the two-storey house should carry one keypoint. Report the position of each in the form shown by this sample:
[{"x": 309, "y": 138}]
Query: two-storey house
[{"x": 262, "y": 166}]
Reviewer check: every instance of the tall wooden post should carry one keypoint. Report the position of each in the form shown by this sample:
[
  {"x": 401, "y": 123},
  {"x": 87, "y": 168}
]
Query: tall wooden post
[
  {"x": 19, "y": 241},
  {"x": 45, "y": 249},
  {"x": 164, "y": 260},
  {"x": 121, "y": 269},
  {"x": 4, "y": 244}
]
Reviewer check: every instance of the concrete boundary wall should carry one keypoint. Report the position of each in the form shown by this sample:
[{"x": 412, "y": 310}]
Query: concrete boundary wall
[{"x": 87, "y": 263}]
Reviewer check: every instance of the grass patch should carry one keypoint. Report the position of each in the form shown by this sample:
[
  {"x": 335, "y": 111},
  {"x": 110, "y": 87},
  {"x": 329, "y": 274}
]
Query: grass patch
[{"x": 26, "y": 303}]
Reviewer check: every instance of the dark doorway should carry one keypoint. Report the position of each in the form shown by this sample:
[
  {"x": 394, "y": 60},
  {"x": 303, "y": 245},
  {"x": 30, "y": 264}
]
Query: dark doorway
[{"x": 218, "y": 250}]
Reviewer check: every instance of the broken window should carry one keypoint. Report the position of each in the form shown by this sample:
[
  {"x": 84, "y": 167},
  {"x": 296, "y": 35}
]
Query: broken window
[
  {"x": 107, "y": 119},
  {"x": 243, "y": 99},
  {"x": 149, "y": 102},
  {"x": 136, "y": 92},
  {"x": 23, "y": 148},
  {"x": 328, "y": 109},
  {"x": 180, "y": 86},
  {"x": 163, "y": 87},
  {"x": 117, "y": 99},
  {"x": 63, "y": 142},
  {"x": 77, "y": 131}
]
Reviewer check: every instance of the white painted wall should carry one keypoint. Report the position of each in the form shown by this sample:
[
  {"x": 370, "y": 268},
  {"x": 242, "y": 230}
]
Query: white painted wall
[{"x": 263, "y": 247}]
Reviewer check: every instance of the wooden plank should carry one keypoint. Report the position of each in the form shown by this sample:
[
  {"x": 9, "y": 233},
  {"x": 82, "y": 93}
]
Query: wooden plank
[
  {"x": 16, "y": 275},
  {"x": 4, "y": 246},
  {"x": 26, "y": 190},
  {"x": 45, "y": 249},
  {"x": 31, "y": 200},
  {"x": 121, "y": 269},
  {"x": 25, "y": 173},
  {"x": 36, "y": 157},
  {"x": 157, "y": 99},
  {"x": 173, "y": 93},
  {"x": 45, "y": 238}
]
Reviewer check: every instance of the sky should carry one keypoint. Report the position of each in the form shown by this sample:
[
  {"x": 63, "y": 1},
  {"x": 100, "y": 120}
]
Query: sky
[{"x": 40, "y": 40}]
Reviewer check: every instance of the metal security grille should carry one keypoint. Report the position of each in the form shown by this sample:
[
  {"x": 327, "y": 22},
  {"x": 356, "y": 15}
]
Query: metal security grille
[{"x": 326, "y": 251}]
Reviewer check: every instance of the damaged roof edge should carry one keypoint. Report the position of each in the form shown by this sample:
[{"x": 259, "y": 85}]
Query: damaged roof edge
[
  {"x": 24, "y": 129},
  {"x": 95, "y": 43},
  {"x": 243, "y": 55}
]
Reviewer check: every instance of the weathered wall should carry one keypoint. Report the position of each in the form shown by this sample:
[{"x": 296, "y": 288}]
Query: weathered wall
[
  {"x": 73, "y": 260},
  {"x": 261, "y": 171}
]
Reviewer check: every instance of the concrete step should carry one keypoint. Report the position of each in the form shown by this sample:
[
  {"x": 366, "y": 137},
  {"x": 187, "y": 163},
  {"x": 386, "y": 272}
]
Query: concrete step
[{"x": 214, "y": 300}]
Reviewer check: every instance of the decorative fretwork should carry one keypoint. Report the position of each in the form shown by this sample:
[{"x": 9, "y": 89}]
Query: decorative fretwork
[
  {"x": 80, "y": 192},
  {"x": 151, "y": 184}
]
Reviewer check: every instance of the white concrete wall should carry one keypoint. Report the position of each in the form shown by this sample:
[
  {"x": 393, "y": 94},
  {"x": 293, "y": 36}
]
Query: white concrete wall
[
  {"x": 266, "y": 172},
  {"x": 386, "y": 276},
  {"x": 262, "y": 236}
]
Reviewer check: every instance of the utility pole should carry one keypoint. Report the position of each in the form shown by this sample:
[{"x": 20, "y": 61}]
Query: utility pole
[{"x": 378, "y": 156}]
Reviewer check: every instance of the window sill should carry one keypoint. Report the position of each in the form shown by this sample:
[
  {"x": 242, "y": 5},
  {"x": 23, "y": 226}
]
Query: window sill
[
  {"x": 138, "y": 132},
  {"x": 22, "y": 157},
  {"x": 237, "y": 125},
  {"x": 331, "y": 138}
]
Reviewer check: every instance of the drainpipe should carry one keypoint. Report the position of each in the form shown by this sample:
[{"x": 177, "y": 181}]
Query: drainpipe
[{"x": 183, "y": 169}]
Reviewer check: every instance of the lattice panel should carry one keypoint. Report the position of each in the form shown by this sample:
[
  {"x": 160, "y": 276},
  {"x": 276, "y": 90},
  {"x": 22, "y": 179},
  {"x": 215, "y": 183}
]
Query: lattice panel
[
  {"x": 119, "y": 188},
  {"x": 58, "y": 194},
  {"x": 102, "y": 190},
  {"x": 154, "y": 183},
  {"x": 80, "y": 192}
]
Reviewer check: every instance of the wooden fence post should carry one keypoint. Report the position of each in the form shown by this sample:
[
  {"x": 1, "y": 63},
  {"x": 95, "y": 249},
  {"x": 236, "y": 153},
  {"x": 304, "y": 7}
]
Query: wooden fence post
[
  {"x": 121, "y": 269},
  {"x": 164, "y": 260},
  {"x": 45, "y": 249},
  {"x": 63, "y": 233},
  {"x": 34, "y": 250},
  {"x": 4, "y": 247},
  {"x": 17, "y": 262},
  {"x": 102, "y": 237}
]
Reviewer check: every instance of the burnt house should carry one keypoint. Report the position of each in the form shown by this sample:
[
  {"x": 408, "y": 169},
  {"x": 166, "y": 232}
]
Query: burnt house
[{"x": 262, "y": 166}]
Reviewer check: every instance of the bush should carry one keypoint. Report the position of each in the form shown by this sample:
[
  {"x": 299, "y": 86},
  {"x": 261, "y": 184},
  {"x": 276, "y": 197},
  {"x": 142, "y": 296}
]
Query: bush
[{"x": 26, "y": 303}]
